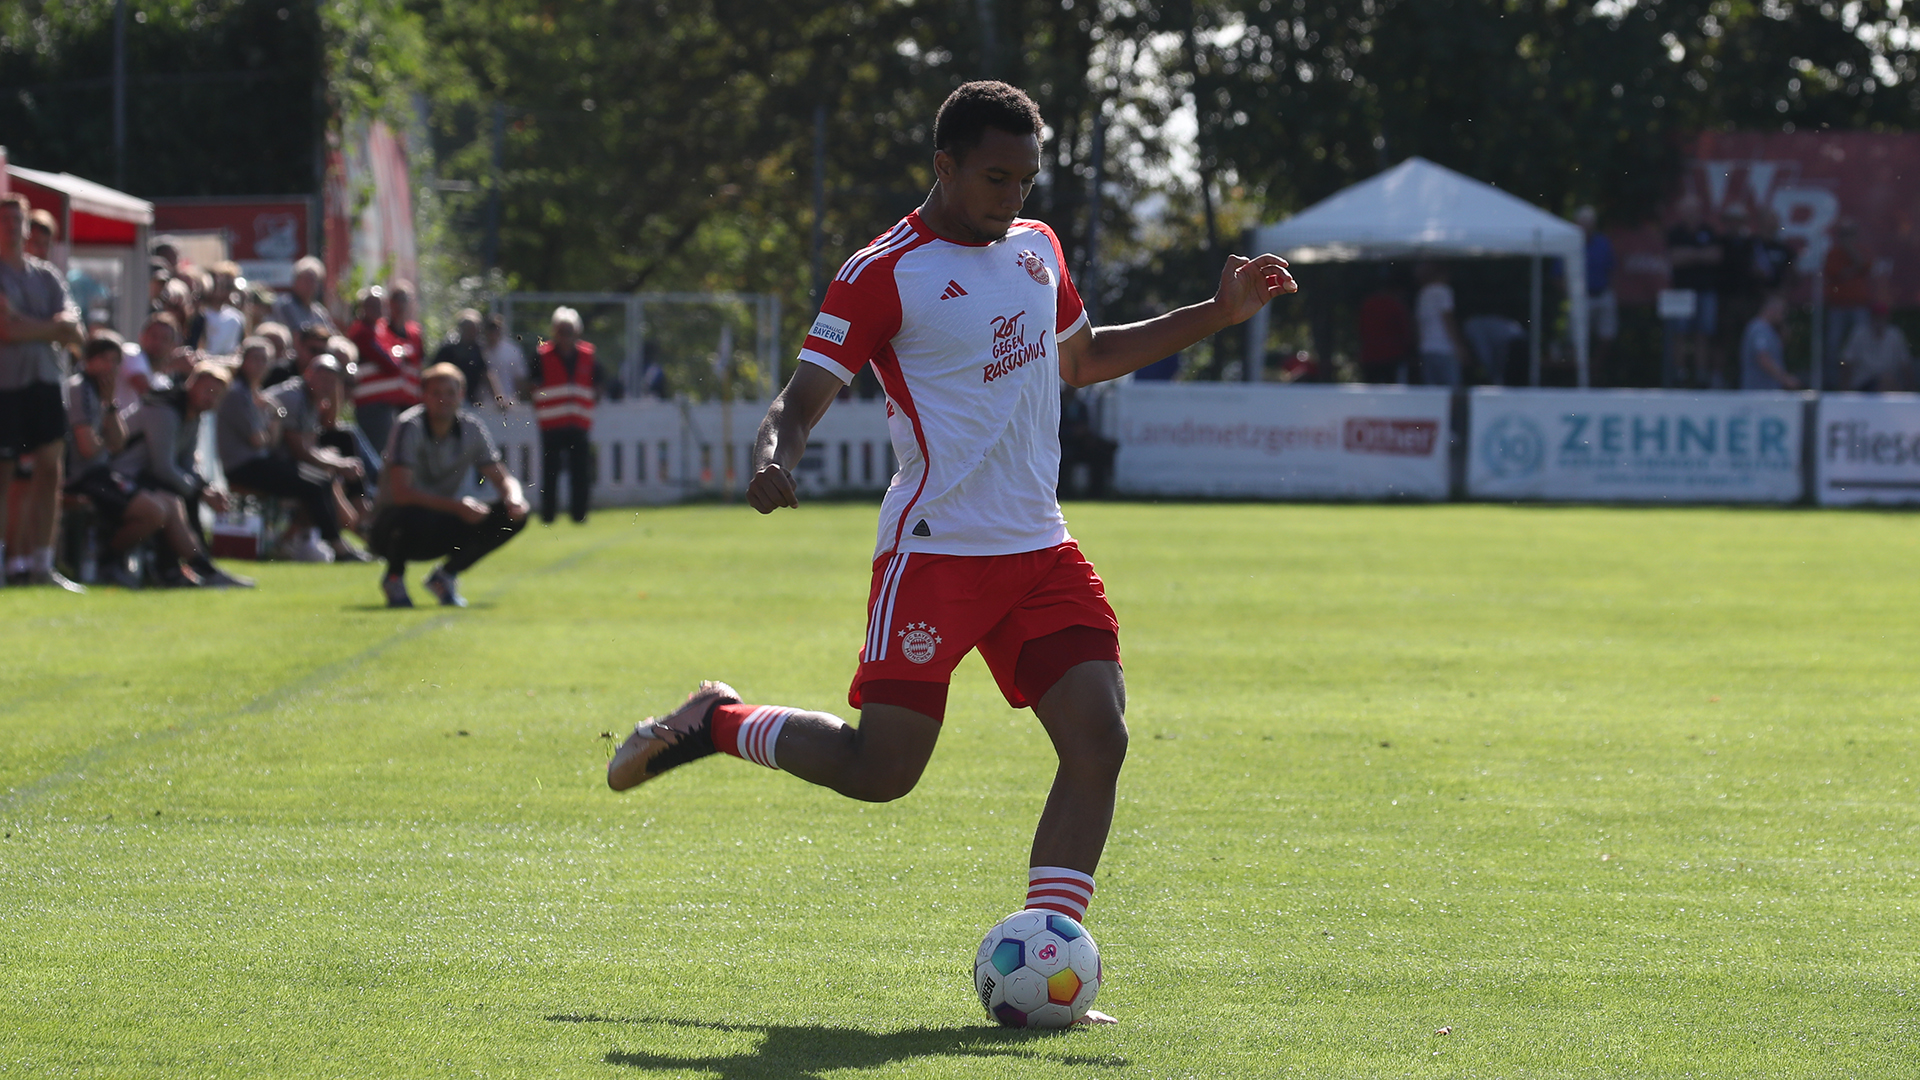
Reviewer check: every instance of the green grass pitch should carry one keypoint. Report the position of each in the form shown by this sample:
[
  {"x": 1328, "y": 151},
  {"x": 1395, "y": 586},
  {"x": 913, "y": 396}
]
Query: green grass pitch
[{"x": 1605, "y": 792}]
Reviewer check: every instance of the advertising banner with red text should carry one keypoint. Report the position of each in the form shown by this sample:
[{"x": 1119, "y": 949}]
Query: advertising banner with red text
[{"x": 1277, "y": 442}]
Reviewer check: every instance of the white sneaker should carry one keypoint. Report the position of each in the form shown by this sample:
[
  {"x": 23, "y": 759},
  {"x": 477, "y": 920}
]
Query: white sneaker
[{"x": 310, "y": 549}]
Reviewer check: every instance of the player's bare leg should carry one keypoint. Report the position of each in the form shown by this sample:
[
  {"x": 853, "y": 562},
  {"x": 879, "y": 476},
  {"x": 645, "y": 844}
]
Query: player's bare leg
[
  {"x": 1085, "y": 716},
  {"x": 879, "y": 760}
]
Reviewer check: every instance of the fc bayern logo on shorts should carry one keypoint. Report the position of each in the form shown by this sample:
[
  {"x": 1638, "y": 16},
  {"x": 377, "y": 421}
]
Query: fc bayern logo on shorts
[
  {"x": 917, "y": 642},
  {"x": 1036, "y": 268}
]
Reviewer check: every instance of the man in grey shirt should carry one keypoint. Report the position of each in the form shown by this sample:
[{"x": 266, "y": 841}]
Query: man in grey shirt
[
  {"x": 309, "y": 401},
  {"x": 163, "y": 440},
  {"x": 420, "y": 514},
  {"x": 255, "y": 458},
  {"x": 302, "y": 308},
  {"x": 37, "y": 321}
]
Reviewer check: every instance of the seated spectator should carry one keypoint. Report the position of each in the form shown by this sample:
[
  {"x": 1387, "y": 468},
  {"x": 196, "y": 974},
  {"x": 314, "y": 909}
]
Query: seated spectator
[
  {"x": 308, "y": 403},
  {"x": 260, "y": 302},
  {"x": 308, "y": 344},
  {"x": 280, "y": 340},
  {"x": 1876, "y": 358},
  {"x": 302, "y": 308},
  {"x": 225, "y": 324},
  {"x": 42, "y": 231},
  {"x": 328, "y": 389},
  {"x": 176, "y": 299},
  {"x": 159, "y": 347},
  {"x": 125, "y": 516},
  {"x": 251, "y": 451},
  {"x": 421, "y": 515},
  {"x": 463, "y": 351},
  {"x": 1763, "y": 364},
  {"x": 163, "y": 440}
]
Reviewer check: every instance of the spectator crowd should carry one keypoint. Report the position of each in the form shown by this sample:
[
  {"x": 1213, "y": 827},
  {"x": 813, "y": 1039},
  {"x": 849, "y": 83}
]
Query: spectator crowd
[
  {"x": 1722, "y": 318},
  {"x": 343, "y": 437}
]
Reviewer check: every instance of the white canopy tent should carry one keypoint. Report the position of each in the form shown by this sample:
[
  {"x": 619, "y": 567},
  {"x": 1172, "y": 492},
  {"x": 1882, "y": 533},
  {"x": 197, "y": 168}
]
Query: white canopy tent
[{"x": 1417, "y": 210}]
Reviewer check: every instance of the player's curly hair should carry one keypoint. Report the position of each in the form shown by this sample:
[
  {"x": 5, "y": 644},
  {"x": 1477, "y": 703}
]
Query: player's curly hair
[{"x": 976, "y": 106}]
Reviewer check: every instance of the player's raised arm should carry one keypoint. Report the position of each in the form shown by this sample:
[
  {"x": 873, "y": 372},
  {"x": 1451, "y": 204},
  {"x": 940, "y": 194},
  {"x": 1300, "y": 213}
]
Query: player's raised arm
[
  {"x": 1108, "y": 352},
  {"x": 783, "y": 436}
]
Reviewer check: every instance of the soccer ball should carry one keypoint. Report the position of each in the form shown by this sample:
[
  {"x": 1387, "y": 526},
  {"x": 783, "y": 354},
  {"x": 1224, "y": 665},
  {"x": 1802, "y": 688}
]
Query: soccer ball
[{"x": 1037, "y": 970}]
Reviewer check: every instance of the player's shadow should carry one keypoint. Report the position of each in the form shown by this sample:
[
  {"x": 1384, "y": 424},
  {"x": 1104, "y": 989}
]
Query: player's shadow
[{"x": 794, "y": 1051}]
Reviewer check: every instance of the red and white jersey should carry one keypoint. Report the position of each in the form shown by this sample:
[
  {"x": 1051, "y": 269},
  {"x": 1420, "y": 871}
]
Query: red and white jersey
[{"x": 965, "y": 340}]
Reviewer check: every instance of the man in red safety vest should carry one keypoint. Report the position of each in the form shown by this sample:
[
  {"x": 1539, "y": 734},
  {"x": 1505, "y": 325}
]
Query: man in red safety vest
[
  {"x": 388, "y": 376},
  {"x": 566, "y": 384}
]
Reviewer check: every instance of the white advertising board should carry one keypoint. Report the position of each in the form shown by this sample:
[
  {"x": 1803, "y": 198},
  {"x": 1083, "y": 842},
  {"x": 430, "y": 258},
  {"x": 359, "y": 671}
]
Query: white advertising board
[
  {"x": 1867, "y": 449},
  {"x": 1272, "y": 441},
  {"x": 1634, "y": 445}
]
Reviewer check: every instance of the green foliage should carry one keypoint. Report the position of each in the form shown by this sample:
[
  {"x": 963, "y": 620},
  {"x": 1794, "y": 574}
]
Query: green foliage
[
  {"x": 1559, "y": 103},
  {"x": 220, "y": 93},
  {"x": 1622, "y": 793}
]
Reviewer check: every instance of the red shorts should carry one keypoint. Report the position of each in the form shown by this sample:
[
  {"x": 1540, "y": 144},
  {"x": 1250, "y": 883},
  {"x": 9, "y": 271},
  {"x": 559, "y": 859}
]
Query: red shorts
[{"x": 1031, "y": 615}]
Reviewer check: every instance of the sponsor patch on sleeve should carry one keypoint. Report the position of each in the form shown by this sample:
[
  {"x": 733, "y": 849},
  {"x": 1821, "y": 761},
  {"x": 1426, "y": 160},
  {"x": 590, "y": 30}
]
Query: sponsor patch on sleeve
[{"x": 830, "y": 328}]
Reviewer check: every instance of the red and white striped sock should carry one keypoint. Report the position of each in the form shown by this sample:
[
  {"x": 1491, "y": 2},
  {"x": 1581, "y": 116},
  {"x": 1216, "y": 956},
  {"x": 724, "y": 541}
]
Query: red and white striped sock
[
  {"x": 749, "y": 731},
  {"x": 1060, "y": 890}
]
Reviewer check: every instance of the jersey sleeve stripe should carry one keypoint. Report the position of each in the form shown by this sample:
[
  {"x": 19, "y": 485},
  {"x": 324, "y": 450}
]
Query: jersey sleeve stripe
[
  {"x": 820, "y": 359},
  {"x": 859, "y": 263},
  {"x": 849, "y": 270},
  {"x": 1074, "y": 329}
]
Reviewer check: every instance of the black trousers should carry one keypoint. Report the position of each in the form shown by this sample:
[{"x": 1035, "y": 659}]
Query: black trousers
[
  {"x": 415, "y": 532},
  {"x": 571, "y": 449},
  {"x": 283, "y": 478}
]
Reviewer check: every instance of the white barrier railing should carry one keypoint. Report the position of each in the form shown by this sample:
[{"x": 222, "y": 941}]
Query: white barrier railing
[{"x": 649, "y": 451}]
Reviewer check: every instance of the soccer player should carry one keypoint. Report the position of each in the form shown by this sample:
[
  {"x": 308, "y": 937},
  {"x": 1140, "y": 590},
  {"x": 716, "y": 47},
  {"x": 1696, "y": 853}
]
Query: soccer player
[{"x": 968, "y": 316}]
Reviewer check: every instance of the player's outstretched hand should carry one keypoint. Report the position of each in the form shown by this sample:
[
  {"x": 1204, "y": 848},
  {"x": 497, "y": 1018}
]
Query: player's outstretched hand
[
  {"x": 770, "y": 489},
  {"x": 1247, "y": 284}
]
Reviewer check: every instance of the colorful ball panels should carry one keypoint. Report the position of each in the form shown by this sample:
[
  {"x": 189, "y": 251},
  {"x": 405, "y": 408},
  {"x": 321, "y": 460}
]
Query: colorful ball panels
[{"x": 1037, "y": 970}]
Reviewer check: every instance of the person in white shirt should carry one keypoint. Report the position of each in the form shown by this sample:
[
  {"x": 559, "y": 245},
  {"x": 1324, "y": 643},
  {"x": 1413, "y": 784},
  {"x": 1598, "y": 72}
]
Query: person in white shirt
[
  {"x": 225, "y": 324},
  {"x": 1441, "y": 348},
  {"x": 506, "y": 361},
  {"x": 1876, "y": 357},
  {"x": 970, "y": 319}
]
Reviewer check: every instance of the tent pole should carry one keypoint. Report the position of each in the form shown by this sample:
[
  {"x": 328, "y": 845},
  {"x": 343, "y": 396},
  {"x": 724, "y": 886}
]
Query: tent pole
[
  {"x": 1254, "y": 369},
  {"x": 1533, "y": 317}
]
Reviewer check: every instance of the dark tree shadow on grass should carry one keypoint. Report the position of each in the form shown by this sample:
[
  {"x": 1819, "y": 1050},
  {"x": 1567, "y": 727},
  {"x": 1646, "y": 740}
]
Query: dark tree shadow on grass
[{"x": 792, "y": 1051}]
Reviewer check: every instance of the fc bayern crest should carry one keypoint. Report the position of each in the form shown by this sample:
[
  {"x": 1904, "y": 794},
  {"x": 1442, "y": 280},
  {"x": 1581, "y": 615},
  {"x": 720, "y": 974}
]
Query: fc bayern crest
[
  {"x": 1036, "y": 268},
  {"x": 918, "y": 641}
]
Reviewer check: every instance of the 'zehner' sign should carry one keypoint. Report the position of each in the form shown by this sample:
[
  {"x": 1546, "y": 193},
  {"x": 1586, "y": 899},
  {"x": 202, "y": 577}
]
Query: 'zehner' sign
[
  {"x": 1634, "y": 446},
  {"x": 1867, "y": 449}
]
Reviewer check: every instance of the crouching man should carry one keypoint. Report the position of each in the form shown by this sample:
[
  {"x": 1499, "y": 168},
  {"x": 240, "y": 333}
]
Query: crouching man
[{"x": 420, "y": 514}]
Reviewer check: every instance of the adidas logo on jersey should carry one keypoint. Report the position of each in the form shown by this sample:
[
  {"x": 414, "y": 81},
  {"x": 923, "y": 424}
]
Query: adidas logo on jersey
[{"x": 953, "y": 290}]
